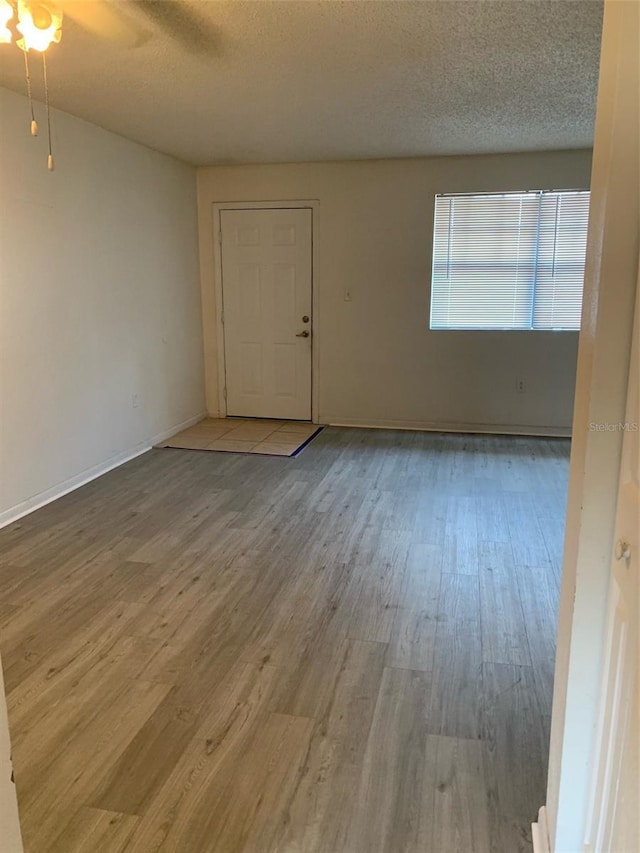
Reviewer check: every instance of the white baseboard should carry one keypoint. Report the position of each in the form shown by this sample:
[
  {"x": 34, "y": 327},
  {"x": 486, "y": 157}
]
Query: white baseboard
[
  {"x": 167, "y": 433},
  {"x": 43, "y": 498},
  {"x": 433, "y": 426},
  {"x": 540, "y": 833}
]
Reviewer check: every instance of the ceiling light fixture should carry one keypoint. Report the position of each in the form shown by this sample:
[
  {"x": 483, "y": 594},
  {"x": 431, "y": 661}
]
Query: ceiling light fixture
[
  {"x": 40, "y": 26},
  {"x": 6, "y": 14}
]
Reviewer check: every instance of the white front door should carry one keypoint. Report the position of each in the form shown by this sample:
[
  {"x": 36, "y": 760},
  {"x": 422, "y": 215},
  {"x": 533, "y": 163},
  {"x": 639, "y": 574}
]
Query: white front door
[
  {"x": 266, "y": 294},
  {"x": 615, "y": 800}
]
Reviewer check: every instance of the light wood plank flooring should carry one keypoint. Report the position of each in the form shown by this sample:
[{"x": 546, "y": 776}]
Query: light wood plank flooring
[{"x": 348, "y": 652}]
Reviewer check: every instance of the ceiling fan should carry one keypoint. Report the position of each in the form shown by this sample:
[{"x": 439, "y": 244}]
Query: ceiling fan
[
  {"x": 34, "y": 25},
  {"x": 128, "y": 23}
]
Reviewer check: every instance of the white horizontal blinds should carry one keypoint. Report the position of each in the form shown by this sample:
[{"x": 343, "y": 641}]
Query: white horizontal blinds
[
  {"x": 483, "y": 261},
  {"x": 508, "y": 261},
  {"x": 561, "y": 254}
]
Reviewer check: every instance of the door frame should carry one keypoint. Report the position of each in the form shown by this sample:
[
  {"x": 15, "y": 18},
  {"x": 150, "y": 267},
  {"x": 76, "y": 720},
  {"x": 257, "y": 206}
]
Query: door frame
[
  {"x": 604, "y": 354},
  {"x": 314, "y": 207}
]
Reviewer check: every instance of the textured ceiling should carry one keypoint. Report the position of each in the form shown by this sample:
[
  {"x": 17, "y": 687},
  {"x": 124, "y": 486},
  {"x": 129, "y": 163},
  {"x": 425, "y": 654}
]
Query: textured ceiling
[{"x": 237, "y": 82}]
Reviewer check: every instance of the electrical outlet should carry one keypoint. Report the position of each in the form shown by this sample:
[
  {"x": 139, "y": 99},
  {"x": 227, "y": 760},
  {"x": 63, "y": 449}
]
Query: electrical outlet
[
  {"x": 135, "y": 400},
  {"x": 521, "y": 386}
]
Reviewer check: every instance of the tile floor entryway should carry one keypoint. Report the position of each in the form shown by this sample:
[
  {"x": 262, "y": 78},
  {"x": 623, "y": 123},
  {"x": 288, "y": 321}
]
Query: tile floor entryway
[{"x": 245, "y": 435}]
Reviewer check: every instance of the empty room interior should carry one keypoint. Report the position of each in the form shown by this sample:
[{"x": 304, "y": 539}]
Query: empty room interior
[{"x": 319, "y": 426}]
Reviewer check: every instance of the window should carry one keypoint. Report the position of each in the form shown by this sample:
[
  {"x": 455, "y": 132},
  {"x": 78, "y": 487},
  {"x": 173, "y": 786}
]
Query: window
[{"x": 509, "y": 260}]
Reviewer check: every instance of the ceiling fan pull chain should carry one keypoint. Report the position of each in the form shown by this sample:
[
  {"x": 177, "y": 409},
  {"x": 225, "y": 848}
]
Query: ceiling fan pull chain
[
  {"x": 34, "y": 123},
  {"x": 50, "y": 164}
]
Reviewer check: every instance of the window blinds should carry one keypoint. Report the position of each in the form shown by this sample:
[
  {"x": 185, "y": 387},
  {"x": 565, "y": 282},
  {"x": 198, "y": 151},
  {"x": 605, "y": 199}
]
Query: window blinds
[{"x": 509, "y": 260}]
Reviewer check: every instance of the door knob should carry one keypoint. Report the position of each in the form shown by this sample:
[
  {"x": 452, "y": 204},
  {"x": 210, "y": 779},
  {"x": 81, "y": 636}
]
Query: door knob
[{"x": 304, "y": 334}]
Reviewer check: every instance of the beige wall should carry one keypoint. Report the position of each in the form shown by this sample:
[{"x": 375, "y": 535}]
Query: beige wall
[
  {"x": 378, "y": 362},
  {"x": 99, "y": 300}
]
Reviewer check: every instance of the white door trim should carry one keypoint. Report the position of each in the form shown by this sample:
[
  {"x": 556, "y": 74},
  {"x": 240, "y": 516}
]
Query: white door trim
[
  {"x": 540, "y": 833},
  {"x": 601, "y": 393},
  {"x": 314, "y": 206},
  {"x": 9, "y": 818},
  {"x": 620, "y": 661}
]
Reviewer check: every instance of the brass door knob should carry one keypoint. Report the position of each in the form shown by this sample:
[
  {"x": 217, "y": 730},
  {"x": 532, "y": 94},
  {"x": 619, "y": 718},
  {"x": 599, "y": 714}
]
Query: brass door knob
[{"x": 304, "y": 334}]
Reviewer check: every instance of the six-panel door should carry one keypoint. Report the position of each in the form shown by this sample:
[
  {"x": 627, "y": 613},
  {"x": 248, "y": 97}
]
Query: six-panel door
[{"x": 266, "y": 289}]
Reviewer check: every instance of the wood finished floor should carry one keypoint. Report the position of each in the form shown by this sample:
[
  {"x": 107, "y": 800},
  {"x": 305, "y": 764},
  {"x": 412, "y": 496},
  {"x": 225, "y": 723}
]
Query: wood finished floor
[{"x": 349, "y": 652}]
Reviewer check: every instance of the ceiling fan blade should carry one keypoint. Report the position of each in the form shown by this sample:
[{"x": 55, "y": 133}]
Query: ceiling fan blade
[
  {"x": 105, "y": 20},
  {"x": 182, "y": 23}
]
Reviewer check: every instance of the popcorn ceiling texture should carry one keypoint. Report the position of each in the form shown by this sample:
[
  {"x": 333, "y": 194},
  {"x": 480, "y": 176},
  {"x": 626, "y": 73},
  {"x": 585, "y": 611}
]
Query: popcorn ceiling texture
[{"x": 303, "y": 81}]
